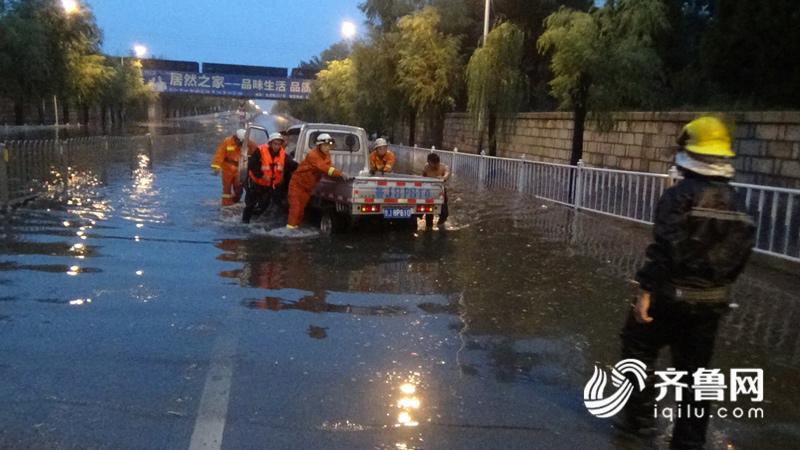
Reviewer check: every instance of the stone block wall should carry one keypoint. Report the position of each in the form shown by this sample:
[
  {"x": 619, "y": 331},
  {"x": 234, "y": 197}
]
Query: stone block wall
[{"x": 767, "y": 143}]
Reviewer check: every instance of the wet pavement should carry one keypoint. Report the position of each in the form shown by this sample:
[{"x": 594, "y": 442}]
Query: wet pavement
[{"x": 136, "y": 314}]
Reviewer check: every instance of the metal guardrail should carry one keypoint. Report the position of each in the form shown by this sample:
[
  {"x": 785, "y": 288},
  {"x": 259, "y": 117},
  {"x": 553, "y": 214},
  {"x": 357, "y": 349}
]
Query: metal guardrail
[
  {"x": 27, "y": 167},
  {"x": 618, "y": 193}
]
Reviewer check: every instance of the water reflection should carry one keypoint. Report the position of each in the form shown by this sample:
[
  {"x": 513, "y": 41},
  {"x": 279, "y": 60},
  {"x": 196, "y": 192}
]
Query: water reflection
[{"x": 317, "y": 303}]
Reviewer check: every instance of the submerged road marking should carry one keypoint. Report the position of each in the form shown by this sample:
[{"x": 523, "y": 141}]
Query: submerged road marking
[{"x": 210, "y": 423}]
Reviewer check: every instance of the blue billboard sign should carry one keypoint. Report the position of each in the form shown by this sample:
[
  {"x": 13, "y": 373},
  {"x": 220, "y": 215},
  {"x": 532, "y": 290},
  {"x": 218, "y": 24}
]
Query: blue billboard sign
[{"x": 228, "y": 85}]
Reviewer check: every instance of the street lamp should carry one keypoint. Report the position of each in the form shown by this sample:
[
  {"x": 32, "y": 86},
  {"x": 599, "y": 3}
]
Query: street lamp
[
  {"x": 140, "y": 51},
  {"x": 486, "y": 13},
  {"x": 348, "y": 29},
  {"x": 70, "y": 6}
]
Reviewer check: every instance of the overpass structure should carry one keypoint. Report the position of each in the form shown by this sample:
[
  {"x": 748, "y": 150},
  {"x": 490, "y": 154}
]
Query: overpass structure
[{"x": 226, "y": 80}]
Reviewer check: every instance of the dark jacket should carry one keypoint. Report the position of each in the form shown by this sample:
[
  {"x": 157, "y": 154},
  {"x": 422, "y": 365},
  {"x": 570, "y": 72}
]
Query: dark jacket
[{"x": 702, "y": 237}]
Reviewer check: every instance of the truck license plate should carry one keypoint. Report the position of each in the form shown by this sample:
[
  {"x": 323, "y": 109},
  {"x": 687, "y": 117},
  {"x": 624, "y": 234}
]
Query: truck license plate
[{"x": 397, "y": 213}]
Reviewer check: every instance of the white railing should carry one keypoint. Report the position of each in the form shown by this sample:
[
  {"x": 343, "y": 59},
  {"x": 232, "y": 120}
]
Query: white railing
[{"x": 618, "y": 193}]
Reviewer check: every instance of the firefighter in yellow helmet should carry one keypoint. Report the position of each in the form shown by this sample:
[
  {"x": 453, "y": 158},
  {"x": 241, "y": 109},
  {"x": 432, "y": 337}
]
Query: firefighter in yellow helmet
[{"x": 702, "y": 240}]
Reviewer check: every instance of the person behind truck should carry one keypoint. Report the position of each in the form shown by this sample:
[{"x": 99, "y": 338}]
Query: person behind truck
[
  {"x": 316, "y": 164},
  {"x": 702, "y": 240},
  {"x": 265, "y": 170},
  {"x": 226, "y": 160},
  {"x": 435, "y": 169},
  {"x": 381, "y": 159}
]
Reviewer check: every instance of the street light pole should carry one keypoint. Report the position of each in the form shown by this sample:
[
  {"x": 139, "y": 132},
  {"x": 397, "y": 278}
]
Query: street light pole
[{"x": 486, "y": 12}]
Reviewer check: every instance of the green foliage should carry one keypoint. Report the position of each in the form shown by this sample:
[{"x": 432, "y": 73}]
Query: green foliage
[
  {"x": 382, "y": 15},
  {"x": 45, "y": 51},
  {"x": 428, "y": 64},
  {"x": 87, "y": 77},
  {"x": 125, "y": 86},
  {"x": 495, "y": 82},
  {"x": 334, "y": 92},
  {"x": 379, "y": 100},
  {"x": 337, "y": 51},
  {"x": 605, "y": 59}
]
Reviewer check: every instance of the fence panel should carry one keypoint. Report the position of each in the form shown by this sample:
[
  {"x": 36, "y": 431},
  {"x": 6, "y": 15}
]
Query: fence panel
[{"x": 624, "y": 194}]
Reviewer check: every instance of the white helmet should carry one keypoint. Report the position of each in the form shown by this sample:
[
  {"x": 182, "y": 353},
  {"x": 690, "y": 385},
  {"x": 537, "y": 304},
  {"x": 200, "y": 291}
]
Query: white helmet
[
  {"x": 275, "y": 137},
  {"x": 240, "y": 134},
  {"x": 380, "y": 142},
  {"x": 325, "y": 138}
]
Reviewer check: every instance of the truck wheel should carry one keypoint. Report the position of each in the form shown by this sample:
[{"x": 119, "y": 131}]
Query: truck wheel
[{"x": 326, "y": 223}]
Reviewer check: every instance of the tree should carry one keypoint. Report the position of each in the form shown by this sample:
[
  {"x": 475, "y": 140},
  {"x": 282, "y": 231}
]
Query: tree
[
  {"x": 334, "y": 94},
  {"x": 40, "y": 45},
  {"x": 685, "y": 80},
  {"x": 124, "y": 89},
  {"x": 382, "y": 15},
  {"x": 335, "y": 52},
  {"x": 428, "y": 66},
  {"x": 87, "y": 76},
  {"x": 379, "y": 101},
  {"x": 495, "y": 83},
  {"x": 603, "y": 60},
  {"x": 750, "y": 52},
  {"x": 529, "y": 16}
]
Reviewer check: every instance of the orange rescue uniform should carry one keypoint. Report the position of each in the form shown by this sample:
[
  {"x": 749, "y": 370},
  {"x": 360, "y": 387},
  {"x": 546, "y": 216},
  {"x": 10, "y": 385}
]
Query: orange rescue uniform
[
  {"x": 316, "y": 164},
  {"x": 226, "y": 160},
  {"x": 378, "y": 163}
]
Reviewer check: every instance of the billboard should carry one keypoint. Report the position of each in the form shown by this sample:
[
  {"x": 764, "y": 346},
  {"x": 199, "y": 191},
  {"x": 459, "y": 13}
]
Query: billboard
[{"x": 228, "y": 85}]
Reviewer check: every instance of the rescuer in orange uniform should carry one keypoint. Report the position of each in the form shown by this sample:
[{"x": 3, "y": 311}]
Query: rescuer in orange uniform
[
  {"x": 226, "y": 159},
  {"x": 381, "y": 159},
  {"x": 265, "y": 170},
  {"x": 316, "y": 164}
]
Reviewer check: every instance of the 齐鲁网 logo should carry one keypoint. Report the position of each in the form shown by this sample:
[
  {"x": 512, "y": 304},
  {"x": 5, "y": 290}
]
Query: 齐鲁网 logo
[{"x": 594, "y": 393}]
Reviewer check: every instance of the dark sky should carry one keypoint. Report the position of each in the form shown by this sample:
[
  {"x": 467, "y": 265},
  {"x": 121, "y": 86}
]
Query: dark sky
[{"x": 256, "y": 32}]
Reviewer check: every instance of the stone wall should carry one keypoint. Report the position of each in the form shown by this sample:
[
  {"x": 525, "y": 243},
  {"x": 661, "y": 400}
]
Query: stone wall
[{"x": 768, "y": 143}]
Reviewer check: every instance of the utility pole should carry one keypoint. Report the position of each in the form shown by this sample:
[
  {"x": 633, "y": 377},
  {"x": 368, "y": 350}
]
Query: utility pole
[{"x": 486, "y": 12}]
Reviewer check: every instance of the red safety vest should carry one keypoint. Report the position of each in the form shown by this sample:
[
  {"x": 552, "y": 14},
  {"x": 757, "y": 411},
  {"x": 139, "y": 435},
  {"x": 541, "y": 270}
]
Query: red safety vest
[{"x": 271, "y": 168}]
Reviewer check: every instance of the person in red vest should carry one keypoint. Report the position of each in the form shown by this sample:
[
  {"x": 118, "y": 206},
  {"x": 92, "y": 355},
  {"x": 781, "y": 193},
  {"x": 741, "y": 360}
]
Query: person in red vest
[{"x": 265, "y": 170}]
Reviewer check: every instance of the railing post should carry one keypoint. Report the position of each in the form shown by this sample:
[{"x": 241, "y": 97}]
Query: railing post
[
  {"x": 523, "y": 176},
  {"x": 578, "y": 195},
  {"x": 64, "y": 160},
  {"x": 482, "y": 169},
  {"x": 673, "y": 176},
  {"x": 4, "y": 182}
]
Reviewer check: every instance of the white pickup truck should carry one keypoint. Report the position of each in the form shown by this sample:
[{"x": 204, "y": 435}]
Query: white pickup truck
[{"x": 340, "y": 204}]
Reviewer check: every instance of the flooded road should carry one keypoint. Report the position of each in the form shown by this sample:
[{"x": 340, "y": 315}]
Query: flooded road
[{"x": 136, "y": 314}]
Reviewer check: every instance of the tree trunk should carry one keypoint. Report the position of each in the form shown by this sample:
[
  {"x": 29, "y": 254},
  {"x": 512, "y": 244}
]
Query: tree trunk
[
  {"x": 579, "y": 122},
  {"x": 103, "y": 118},
  {"x": 579, "y": 119},
  {"x": 65, "y": 112},
  {"x": 40, "y": 109},
  {"x": 19, "y": 112},
  {"x": 85, "y": 111},
  {"x": 412, "y": 127},
  {"x": 492, "y": 128}
]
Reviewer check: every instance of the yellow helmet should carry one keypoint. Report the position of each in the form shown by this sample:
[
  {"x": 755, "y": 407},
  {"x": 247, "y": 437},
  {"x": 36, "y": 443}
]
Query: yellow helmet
[{"x": 707, "y": 135}]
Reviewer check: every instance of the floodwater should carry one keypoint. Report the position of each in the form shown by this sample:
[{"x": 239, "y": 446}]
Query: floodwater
[
  {"x": 173, "y": 126},
  {"x": 136, "y": 314}
]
